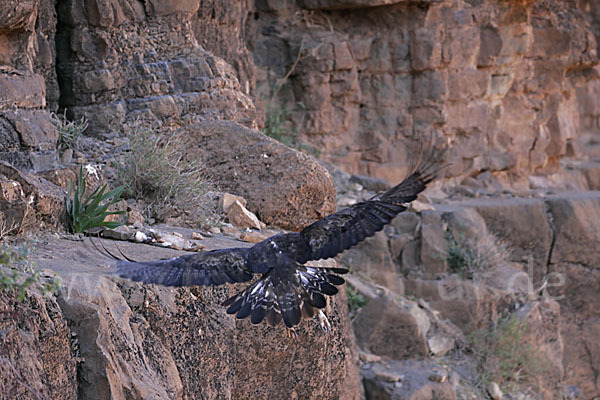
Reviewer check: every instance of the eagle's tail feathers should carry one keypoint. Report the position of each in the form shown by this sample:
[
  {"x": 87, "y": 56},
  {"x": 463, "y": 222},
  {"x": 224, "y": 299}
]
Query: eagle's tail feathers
[{"x": 286, "y": 295}]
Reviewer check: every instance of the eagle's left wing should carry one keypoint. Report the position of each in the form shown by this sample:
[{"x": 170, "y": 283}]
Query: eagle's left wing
[
  {"x": 207, "y": 268},
  {"x": 340, "y": 231}
]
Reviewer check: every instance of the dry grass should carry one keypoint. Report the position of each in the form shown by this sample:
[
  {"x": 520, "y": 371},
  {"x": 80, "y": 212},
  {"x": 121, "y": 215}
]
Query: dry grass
[
  {"x": 504, "y": 356},
  {"x": 469, "y": 255},
  {"x": 157, "y": 173}
]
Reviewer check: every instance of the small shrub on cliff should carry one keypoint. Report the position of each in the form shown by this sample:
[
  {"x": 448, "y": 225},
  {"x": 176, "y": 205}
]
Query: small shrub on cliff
[
  {"x": 504, "y": 356},
  {"x": 18, "y": 275},
  {"x": 91, "y": 212},
  {"x": 466, "y": 256},
  {"x": 69, "y": 132},
  {"x": 157, "y": 172},
  {"x": 356, "y": 301}
]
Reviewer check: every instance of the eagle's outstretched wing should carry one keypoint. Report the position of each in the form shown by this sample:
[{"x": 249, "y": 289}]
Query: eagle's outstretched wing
[
  {"x": 289, "y": 292},
  {"x": 207, "y": 268},
  {"x": 340, "y": 231}
]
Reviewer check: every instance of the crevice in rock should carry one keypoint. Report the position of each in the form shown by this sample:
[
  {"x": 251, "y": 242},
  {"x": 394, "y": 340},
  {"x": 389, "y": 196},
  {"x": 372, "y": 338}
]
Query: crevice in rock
[
  {"x": 593, "y": 367},
  {"x": 63, "y": 55},
  {"x": 531, "y": 149},
  {"x": 550, "y": 218}
]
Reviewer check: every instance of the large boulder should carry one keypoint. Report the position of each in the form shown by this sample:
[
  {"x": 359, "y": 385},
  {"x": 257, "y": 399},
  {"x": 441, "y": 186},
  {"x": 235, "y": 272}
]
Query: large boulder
[
  {"x": 283, "y": 187},
  {"x": 371, "y": 259},
  {"x": 41, "y": 200}
]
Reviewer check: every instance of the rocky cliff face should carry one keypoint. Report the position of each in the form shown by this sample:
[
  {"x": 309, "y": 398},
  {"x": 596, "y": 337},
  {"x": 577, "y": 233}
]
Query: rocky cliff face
[{"x": 366, "y": 81}]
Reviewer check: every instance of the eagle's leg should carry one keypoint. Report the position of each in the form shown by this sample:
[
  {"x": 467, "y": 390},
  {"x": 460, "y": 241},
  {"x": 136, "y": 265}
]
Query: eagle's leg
[
  {"x": 291, "y": 333},
  {"x": 324, "y": 322}
]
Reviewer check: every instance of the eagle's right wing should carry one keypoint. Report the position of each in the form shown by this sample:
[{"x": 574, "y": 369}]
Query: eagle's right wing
[
  {"x": 340, "y": 231},
  {"x": 206, "y": 268}
]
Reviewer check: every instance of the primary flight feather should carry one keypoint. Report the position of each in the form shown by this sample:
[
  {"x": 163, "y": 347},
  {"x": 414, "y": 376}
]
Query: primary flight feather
[{"x": 287, "y": 289}]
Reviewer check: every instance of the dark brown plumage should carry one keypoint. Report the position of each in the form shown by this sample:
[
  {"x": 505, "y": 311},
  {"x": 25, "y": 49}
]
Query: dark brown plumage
[{"x": 287, "y": 289}]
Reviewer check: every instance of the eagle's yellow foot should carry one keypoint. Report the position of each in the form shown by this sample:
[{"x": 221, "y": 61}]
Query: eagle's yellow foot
[
  {"x": 324, "y": 322},
  {"x": 291, "y": 333}
]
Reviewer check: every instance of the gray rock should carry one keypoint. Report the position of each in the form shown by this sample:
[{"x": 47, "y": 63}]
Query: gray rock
[{"x": 122, "y": 232}]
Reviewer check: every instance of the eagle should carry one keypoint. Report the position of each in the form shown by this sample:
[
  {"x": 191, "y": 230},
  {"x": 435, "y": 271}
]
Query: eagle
[{"x": 287, "y": 289}]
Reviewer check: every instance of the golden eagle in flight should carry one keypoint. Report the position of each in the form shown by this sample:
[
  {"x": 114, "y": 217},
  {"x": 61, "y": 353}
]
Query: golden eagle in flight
[{"x": 287, "y": 289}]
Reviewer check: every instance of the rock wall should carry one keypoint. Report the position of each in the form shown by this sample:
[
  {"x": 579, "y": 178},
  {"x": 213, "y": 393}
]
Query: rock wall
[
  {"x": 122, "y": 61},
  {"x": 368, "y": 80},
  {"x": 27, "y": 85}
]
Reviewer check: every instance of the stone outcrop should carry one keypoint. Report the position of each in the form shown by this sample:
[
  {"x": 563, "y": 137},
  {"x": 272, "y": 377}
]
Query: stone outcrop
[
  {"x": 119, "y": 62},
  {"x": 149, "y": 342},
  {"x": 27, "y": 85},
  {"x": 29, "y": 201},
  {"x": 548, "y": 294}
]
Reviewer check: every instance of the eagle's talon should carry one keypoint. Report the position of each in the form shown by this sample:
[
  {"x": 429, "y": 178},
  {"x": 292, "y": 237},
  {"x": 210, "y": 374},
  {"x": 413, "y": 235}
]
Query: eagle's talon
[
  {"x": 324, "y": 322},
  {"x": 291, "y": 333}
]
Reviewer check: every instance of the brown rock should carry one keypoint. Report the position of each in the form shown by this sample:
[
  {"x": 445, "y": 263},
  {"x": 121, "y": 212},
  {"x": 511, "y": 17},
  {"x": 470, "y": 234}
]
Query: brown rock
[
  {"x": 523, "y": 224},
  {"x": 255, "y": 237},
  {"x": 433, "y": 244},
  {"x": 35, "y": 128},
  {"x": 122, "y": 232},
  {"x": 134, "y": 217},
  {"x": 60, "y": 177},
  {"x": 36, "y": 349},
  {"x": 197, "y": 236},
  {"x": 577, "y": 287},
  {"x": 458, "y": 70},
  {"x": 283, "y": 187},
  {"x": 576, "y": 228},
  {"x": 11, "y": 191},
  {"x": 345, "y": 4},
  {"x": 46, "y": 199},
  {"x": 466, "y": 304},
  {"x": 392, "y": 327},
  {"x": 410, "y": 381},
  {"x": 230, "y": 231},
  {"x": 542, "y": 322},
  {"x": 23, "y": 90},
  {"x": 372, "y": 259}
]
